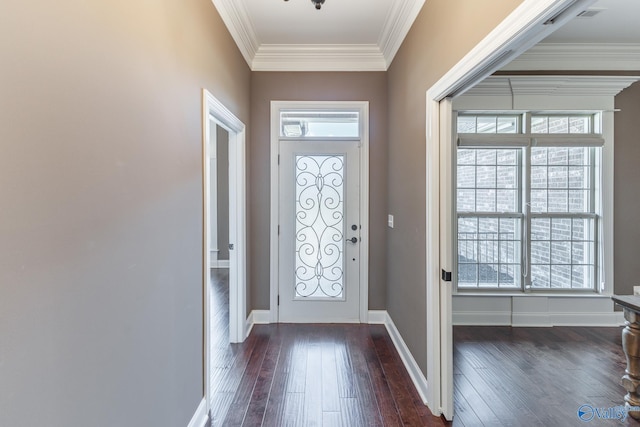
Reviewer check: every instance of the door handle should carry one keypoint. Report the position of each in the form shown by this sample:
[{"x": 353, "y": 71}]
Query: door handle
[{"x": 353, "y": 240}]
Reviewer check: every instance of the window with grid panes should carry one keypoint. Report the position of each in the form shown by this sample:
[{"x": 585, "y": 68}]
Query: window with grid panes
[{"x": 527, "y": 208}]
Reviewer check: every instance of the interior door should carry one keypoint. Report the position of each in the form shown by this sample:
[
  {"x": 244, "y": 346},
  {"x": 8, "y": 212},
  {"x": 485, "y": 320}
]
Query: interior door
[{"x": 319, "y": 231}]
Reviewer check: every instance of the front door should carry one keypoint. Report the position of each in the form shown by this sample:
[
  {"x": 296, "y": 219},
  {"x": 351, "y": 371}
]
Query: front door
[{"x": 319, "y": 231}]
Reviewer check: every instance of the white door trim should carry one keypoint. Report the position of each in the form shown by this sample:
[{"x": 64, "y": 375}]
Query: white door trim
[
  {"x": 525, "y": 26},
  {"x": 363, "y": 107},
  {"x": 214, "y": 110}
]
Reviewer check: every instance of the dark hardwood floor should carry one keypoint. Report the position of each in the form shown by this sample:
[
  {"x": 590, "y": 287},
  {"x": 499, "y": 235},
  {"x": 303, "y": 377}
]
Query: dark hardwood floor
[
  {"x": 351, "y": 375},
  {"x": 311, "y": 375},
  {"x": 536, "y": 376}
]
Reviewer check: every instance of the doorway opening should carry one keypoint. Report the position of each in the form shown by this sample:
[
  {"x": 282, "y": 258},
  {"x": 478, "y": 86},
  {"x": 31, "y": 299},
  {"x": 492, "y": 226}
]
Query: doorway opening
[
  {"x": 525, "y": 26},
  {"x": 224, "y": 233}
]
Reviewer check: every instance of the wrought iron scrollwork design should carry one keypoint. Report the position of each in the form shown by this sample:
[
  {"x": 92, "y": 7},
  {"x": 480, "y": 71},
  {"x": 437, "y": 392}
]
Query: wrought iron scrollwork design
[{"x": 319, "y": 269}]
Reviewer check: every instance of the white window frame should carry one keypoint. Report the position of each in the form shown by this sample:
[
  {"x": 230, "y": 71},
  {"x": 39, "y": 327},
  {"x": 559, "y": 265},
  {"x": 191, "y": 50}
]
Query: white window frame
[{"x": 602, "y": 209}]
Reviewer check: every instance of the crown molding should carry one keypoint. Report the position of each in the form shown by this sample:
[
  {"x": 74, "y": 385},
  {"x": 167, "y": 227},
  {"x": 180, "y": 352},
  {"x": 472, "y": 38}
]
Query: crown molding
[
  {"x": 236, "y": 18},
  {"x": 578, "y": 56},
  {"x": 328, "y": 57},
  {"x": 551, "y": 86},
  {"x": 399, "y": 21}
]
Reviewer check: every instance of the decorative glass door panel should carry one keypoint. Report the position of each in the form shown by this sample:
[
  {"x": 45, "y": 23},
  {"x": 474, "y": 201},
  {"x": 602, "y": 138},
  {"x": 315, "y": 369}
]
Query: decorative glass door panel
[
  {"x": 320, "y": 238},
  {"x": 319, "y": 249}
]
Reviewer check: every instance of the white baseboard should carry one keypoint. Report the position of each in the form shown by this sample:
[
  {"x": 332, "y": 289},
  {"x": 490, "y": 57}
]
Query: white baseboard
[
  {"x": 409, "y": 362},
  {"x": 378, "y": 317},
  {"x": 535, "y": 311},
  {"x": 566, "y": 319},
  {"x": 200, "y": 418},
  {"x": 482, "y": 318},
  {"x": 593, "y": 319},
  {"x": 257, "y": 317},
  {"x": 220, "y": 263}
]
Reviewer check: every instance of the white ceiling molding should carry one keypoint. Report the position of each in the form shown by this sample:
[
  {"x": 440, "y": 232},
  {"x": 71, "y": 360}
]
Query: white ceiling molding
[
  {"x": 319, "y": 58},
  {"x": 397, "y": 26},
  {"x": 552, "y": 85},
  {"x": 235, "y": 16},
  {"x": 578, "y": 56},
  {"x": 544, "y": 92}
]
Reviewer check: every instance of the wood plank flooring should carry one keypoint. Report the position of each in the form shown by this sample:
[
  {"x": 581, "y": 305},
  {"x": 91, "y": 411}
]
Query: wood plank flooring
[
  {"x": 310, "y": 375},
  {"x": 317, "y": 375},
  {"x": 351, "y": 375},
  {"x": 536, "y": 376}
]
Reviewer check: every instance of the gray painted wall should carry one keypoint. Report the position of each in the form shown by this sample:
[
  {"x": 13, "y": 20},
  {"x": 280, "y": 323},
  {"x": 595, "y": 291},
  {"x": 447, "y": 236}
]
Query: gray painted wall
[
  {"x": 627, "y": 191},
  {"x": 434, "y": 44},
  {"x": 101, "y": 207}
]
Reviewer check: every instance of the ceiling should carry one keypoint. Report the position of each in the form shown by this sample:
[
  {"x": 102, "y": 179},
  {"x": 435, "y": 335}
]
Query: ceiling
[
  {"x": 616, "y": 21},
  {"x": 364, "y": 35},
  {"x": 353, "y": 35}
]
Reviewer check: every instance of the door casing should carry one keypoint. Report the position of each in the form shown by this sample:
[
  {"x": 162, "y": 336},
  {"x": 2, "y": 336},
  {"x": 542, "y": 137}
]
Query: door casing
[
  {"x": 363, "y": 108},
  {"x": 215, "y": 112}
]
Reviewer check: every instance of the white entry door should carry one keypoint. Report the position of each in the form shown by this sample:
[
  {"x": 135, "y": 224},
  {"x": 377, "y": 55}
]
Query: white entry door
[{"x": 319, "y": 237}]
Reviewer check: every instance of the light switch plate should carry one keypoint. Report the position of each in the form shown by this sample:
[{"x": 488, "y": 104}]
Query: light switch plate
[{"x": 390, "y": 221}]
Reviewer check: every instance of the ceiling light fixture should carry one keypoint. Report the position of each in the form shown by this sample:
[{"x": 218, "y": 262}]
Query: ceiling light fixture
[{"x": 317, "y": 3}]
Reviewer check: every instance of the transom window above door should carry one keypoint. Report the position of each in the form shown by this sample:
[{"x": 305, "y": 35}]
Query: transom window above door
[{"x": 319, "y": 124}]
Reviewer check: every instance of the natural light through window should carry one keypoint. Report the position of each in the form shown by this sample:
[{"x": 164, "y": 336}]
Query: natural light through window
[
  {"x": 319, "y": 124},
  {"x": 527, "y": 206}
]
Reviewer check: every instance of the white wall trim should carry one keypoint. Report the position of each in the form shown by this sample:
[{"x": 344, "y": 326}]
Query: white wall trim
[
  {"x": 535, "y": 311},
  {"x": 377, "y": 317},
  {"x": 201, "y": 416},
  {"x": 215, "y": 112},
  {"x": 482, "y": 318},
  {"x": 565, "y": 319},
  {"x": 523, "y": 28},
  {"x": 363, "y": 57},
  {"x": 399, "y": 21},
  {"x": 417, "y": 377},
  {"x": 523, "y": 86},
  {"x": 257, "y": 317},
  {"x": 235, "y": 16},
  {"x": 503, "y": 318},
  {"x": 578, "y": 56}
]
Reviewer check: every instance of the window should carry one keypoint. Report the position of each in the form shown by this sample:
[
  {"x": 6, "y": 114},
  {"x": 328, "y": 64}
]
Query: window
[
  {"x": 527, "y": 205},
  {"x": 326, "y": 124}
]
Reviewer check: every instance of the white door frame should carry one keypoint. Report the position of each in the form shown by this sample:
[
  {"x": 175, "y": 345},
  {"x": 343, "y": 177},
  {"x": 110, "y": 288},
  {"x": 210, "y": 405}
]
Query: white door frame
[
  {"x": 525, "y": 26},
  {"x": 363, "y": 107},
  {"x": 214, "y": 111}
]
